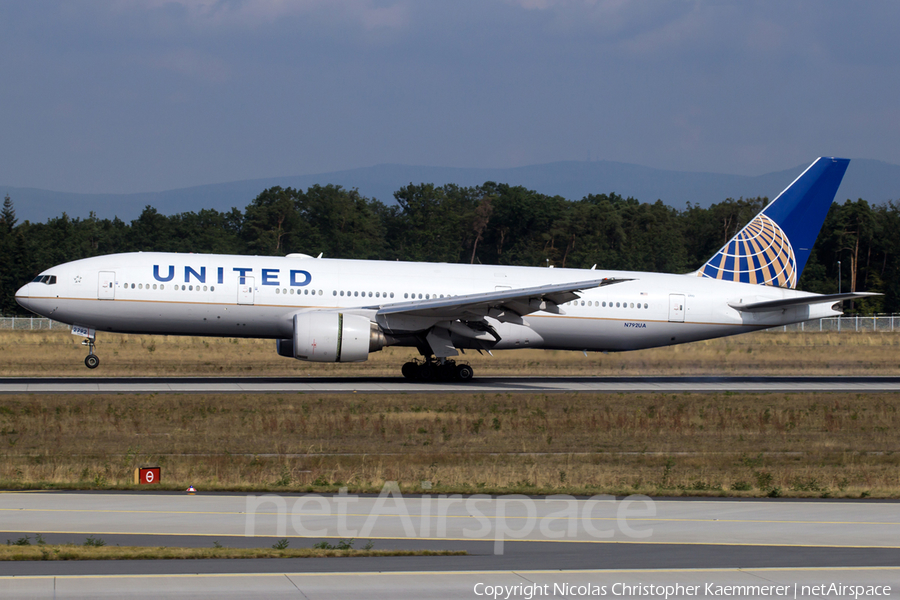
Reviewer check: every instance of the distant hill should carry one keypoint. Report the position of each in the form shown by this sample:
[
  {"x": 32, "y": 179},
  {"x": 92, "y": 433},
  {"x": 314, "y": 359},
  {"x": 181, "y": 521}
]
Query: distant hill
[{"x": 873, "y": 180}]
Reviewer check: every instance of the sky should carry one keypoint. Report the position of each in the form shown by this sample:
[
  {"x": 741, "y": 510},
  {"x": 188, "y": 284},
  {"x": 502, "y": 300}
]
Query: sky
[{"x": 124, "y": 96}]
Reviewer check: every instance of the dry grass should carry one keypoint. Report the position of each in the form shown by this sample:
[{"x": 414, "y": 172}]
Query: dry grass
[
  {"x": 661, "y": 444},
  {"x": 72, "y": 552},
  {"x": 749, "y": 444},
  {"x": 58, "y": 353}
]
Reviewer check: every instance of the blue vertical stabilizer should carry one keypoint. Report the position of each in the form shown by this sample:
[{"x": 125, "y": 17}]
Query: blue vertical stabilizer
[{"x": 773, "y": 248}]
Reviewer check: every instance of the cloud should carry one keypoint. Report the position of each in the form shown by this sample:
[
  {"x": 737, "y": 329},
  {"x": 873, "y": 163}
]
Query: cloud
[
  {"x": 607, "y": 18},
  {"x": 254, "y": 14}
]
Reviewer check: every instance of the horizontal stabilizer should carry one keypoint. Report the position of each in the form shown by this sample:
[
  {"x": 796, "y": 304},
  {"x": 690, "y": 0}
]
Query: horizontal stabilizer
[{"x": 773, "y": 305}]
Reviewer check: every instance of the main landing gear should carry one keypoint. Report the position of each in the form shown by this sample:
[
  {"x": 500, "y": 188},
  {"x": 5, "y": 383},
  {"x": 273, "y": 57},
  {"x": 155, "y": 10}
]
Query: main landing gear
[
  {"x": 432, "y": 370},
  {"x": 91, "y": 361}
]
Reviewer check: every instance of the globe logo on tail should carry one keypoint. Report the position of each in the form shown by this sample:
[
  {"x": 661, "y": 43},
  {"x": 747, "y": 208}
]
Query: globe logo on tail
[{"x": 761, "y": 253}]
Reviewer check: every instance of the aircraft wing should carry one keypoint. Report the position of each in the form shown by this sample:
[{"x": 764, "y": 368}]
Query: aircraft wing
[
  {"x": 509, "y": 303},
  {"x": 772, "y": 305}
]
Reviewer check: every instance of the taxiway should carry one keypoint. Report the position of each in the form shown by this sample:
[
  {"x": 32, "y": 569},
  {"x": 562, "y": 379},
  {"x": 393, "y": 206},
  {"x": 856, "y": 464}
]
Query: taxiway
[{"x": 187, "y": 385}]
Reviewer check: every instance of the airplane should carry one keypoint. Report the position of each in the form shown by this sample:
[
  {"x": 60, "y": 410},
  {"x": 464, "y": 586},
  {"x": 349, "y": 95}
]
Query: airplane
[{"x": 336, "y": 310}]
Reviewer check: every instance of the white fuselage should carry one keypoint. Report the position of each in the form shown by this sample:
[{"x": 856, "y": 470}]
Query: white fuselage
[{"x": 257, "y": 296}]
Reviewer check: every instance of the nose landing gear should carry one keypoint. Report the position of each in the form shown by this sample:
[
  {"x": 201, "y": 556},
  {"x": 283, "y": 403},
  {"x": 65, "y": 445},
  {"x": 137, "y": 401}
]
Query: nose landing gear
[
  {"x": 91, "y": 361},
  {"x": 432, "y": 370}
]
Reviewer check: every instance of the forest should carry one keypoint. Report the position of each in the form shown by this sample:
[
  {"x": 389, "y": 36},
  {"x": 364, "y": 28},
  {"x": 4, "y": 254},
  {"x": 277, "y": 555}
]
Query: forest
[{"x": 493, "y": 223}]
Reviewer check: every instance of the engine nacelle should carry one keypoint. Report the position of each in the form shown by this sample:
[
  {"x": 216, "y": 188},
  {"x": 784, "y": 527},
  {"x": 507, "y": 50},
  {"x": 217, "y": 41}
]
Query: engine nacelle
[{"x": 324, "y": 336}]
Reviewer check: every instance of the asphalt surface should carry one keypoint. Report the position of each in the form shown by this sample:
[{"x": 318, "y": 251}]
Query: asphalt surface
[
  {"x": 558, "y": 541},
  {"x": 668, "y": 583},
  {"x": 498, "y": 532},
  {"x": 156, "y": 385}
]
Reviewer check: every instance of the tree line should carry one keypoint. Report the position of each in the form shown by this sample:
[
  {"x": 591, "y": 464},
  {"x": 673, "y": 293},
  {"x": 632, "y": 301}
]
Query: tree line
[{"x": 493, "y": 223}]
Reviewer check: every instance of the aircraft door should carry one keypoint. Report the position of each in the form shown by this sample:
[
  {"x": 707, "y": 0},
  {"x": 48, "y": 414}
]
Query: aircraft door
[
  {"x": 106, "y": 289},
  {"x": 676, "y": 308},
  {"x": 246, "y": 291}
]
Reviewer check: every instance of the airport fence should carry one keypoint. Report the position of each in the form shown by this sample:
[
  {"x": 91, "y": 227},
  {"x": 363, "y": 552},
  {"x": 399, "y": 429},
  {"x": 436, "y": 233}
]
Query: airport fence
[
  {"x": 30, "y": 324},
  {"x": 885, "y": 323},
  {"x": 881, "y": 323}
]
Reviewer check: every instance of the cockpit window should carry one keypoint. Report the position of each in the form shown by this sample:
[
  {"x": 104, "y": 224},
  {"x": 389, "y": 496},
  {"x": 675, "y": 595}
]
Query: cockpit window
[{"x": 48, "y": 279}]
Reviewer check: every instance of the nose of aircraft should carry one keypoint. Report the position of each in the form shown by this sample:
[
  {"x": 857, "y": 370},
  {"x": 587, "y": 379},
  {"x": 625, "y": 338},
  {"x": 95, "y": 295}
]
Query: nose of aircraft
[{"x": 23, "y": 294}]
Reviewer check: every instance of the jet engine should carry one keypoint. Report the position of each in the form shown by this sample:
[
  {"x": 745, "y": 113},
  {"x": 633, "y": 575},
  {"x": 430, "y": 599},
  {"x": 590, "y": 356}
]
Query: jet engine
[{"x": 321, "y": 336}]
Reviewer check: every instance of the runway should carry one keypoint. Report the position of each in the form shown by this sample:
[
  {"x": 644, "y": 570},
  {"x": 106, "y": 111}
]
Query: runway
[
  {"x": 262, "y": 385},
  {"x": 510, "y": 540},
  {"x": 498, "y": 519}
]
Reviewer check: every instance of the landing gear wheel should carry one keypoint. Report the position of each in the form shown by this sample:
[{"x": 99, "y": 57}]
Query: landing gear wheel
[
  {"x": 426, "y": 372},
  {"x": 464, "y": 372},
  {"x": 410, "y": 371},
  {"x": 433, "y": 370},
  {"x": 92, "y": 361}
]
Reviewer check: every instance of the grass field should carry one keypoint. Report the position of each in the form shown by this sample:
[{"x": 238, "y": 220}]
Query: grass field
[
  {"x": 17, "y": 551},
  {"x": 659, "y": 444},
  {"x": 837, "y": 445},
  {"x": 58, "y": 353}
]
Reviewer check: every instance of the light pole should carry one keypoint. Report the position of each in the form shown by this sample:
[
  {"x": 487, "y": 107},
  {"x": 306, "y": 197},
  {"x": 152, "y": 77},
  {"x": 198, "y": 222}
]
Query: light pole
[{"x": 839, "y": 291}]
